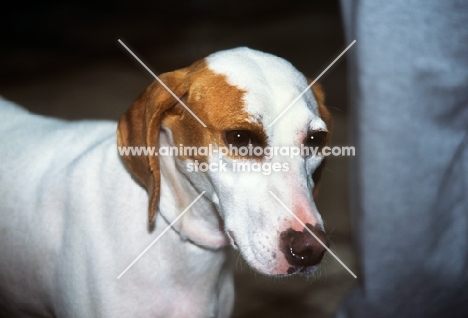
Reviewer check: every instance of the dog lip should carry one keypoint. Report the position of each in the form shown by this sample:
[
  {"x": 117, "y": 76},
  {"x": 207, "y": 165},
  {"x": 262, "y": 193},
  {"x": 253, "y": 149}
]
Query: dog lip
[{"x": 306, "y": 271}]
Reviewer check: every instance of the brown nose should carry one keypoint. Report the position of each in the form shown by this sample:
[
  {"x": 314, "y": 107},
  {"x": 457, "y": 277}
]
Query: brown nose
[{"x": 301, "y": 249}]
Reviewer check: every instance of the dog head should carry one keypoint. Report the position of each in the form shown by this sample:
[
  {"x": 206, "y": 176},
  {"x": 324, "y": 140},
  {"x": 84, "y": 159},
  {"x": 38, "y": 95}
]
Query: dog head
[{"x": 259, "y": 197}]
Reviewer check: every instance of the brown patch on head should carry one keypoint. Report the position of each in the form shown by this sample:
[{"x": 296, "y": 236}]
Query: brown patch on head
[{"x": 217, "y": 103}]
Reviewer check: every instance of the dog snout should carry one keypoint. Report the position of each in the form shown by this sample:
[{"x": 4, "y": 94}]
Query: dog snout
[{"x": 301, "y": 249}]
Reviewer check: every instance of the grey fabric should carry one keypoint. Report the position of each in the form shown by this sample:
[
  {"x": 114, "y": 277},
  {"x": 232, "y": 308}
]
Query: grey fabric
[{"x": 409, "y": 180}]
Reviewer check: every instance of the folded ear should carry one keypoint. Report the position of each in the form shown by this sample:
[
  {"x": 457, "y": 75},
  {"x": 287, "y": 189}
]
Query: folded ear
[{"x": 139, "y": 127}]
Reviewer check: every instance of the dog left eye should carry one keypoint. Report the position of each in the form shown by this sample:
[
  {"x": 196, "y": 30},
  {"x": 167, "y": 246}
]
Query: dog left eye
[
  {"x": 238, "y": 138},
  {"x": 316, "y": 139}
]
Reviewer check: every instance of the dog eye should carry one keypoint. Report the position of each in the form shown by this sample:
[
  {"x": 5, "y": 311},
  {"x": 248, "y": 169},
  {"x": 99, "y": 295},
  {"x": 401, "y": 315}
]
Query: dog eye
[
  {"x": 238, "y": 138},
  {"x": 316, "y": 139}
]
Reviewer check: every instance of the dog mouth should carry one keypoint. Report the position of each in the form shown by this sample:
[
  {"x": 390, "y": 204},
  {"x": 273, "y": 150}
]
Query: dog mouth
[
  {"x": 305, "y": 271},
  {"x": 280, "y": 269}
]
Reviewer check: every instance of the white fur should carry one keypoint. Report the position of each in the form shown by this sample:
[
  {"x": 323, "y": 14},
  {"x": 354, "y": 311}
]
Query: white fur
[
  {"x": 271, "y": 84},
  {"x": 72, "y": 217}
]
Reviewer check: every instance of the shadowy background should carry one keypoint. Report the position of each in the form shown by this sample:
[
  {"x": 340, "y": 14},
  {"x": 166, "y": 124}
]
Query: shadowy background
[{"x": 62, "y": 59}]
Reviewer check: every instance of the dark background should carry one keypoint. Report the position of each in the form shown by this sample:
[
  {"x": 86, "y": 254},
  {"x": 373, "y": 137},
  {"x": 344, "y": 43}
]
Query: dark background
[{"x": 62, "y": 59}]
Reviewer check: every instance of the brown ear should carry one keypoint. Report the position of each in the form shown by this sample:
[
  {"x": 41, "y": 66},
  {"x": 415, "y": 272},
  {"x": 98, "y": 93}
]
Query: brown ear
[
  {"x": 139, "y": 127},
  {"x": 324, "y": 113}
]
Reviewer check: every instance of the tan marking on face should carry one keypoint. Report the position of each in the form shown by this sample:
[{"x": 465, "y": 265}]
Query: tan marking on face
[{"x": 217, "y": 103}]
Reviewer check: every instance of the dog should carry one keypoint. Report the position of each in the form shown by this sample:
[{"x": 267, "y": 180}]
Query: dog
[{"x": 74, "y": 211}]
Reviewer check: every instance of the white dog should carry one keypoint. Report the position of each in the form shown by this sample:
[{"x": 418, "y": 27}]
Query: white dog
[{"x": 73, "y": 211}]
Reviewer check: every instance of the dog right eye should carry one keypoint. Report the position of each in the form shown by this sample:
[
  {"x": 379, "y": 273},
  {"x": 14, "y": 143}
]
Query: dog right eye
[
  {"x": 238, "y": 138},
  {"x": 316, "y": 139}
]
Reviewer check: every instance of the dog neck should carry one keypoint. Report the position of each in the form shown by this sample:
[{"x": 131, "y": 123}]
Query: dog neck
[{"x": 183, "y": 249}]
